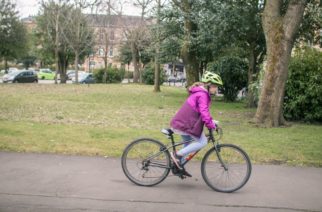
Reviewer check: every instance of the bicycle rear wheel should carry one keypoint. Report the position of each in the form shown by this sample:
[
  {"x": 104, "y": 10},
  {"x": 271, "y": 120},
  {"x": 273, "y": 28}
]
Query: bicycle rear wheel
[
  {"x": 146, "y": 162},
  {"x": 226, "y": 168}
]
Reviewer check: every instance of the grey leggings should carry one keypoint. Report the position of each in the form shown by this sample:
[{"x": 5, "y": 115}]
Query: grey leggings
[{"x": 194, "y": 145}]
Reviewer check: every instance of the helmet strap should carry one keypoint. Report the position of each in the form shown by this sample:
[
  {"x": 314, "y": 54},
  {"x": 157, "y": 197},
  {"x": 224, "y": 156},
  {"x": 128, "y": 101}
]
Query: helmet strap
[{"x": 208, "y": 87}]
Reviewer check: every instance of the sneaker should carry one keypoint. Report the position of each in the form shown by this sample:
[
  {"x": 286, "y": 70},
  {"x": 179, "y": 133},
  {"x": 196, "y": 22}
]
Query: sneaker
[
  {"x": 176, "y": 160},
  {"x": 184, "y": 172}
]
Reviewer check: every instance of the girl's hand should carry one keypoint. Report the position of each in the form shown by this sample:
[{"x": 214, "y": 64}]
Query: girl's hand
[{"x": 216, "y": 123}]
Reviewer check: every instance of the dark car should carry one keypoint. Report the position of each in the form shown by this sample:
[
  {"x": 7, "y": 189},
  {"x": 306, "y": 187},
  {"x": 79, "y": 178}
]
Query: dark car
[
  {"x": 21, "y": 77},
  {"x": 85, "y": 78}
]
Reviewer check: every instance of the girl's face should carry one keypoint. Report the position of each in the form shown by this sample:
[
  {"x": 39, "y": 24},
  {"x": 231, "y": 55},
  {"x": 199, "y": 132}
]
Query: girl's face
[{"x": 213, "y": 89}]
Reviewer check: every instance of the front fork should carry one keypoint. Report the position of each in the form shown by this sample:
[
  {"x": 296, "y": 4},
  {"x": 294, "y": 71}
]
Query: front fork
[{"x": 217, "y": 149}]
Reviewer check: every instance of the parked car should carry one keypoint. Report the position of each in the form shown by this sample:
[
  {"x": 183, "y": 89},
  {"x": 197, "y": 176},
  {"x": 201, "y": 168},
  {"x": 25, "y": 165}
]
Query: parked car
[
  {"x": 71, "y": 74},
  {"x": 84, "y": 78},
  {"x": 12, "y": 69},
  {"x": 21, "y": 77},
  {"x": 176, "y": 79},
  {"x": 46, "y": 74}
]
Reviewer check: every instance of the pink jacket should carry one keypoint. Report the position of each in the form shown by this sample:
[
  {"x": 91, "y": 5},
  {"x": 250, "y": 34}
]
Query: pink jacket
[{"x": 194, "y": 113}]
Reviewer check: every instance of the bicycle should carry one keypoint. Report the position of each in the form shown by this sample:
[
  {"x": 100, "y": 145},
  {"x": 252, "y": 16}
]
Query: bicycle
[{"x": 224, "y": 167}]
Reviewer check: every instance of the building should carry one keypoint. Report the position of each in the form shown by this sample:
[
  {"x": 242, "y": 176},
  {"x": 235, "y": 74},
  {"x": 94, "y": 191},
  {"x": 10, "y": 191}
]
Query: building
[{"x": 110, "y": 34}]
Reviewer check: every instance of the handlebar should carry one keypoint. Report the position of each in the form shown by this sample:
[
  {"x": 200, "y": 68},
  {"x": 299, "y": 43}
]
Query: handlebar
[{"x": 215, "y": 134}]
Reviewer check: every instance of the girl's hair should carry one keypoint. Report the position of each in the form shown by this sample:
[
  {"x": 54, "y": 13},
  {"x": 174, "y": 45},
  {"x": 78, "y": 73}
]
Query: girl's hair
[{"x": 196, "y": 84}]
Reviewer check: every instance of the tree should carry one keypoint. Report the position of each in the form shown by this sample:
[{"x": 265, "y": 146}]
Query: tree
[
  {"x": 109, "y": 10},
  {"x": 77, "y": 34},
  {"x": 188, "y": 52},
  {"x": 251, "y": 38},
  {"x": 137, "y": 35},
  {"x": 231, "y": 28},
  {"x": 28, "y": 60},
  {"x": 281, "y": 21},
  {"x": 126, "y": 57},
  {"x": 13, "y": 35},
  {"x": 171, "y": 32},
  {"x": 233, "y": 73},
  {"x": 50, "y": 29}
]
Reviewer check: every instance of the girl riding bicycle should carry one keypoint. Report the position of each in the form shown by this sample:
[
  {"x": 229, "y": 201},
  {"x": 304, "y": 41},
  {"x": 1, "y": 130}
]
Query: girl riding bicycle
[{"x": 193, "y": 115}]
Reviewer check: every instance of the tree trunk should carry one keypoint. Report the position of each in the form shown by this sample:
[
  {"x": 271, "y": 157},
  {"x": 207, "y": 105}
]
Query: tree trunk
[
  {"x": 157, "y": 52},
  {"x": 6, "y": 65},
  {"x": 57, "y": 44},
  {"x": 128, "y": 71},
  {"x": 62, "y": 66},
  {"x": 280, "y": 31},
  {"x": 76, "y": 65},
  {"x": 188, "y": 55},
  {"x": 135, "y": 63},
  {"x": 106, "y": 40},
  {"x": 157, "y": 76},
  {"x": 191, "y": 64}
]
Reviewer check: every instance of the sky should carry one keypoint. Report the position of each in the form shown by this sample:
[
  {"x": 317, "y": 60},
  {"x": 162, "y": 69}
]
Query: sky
[{"x": 30, "y": 7}]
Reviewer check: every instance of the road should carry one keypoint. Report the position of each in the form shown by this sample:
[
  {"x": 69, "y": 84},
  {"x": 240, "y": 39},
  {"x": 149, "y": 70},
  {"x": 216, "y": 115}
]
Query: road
[{"x": 49, "y": 182}]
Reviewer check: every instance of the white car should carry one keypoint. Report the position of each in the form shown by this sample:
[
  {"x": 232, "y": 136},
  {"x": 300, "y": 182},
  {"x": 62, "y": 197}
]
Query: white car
[{"x": 12, "y": 70}]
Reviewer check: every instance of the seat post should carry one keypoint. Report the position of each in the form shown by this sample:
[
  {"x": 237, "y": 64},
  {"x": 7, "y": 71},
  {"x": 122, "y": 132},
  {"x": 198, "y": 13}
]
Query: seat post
[{"x": 173, "y": 144}]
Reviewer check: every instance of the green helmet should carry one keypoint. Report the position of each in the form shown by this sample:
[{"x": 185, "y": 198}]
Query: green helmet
[{"x": 212, "y": 78}]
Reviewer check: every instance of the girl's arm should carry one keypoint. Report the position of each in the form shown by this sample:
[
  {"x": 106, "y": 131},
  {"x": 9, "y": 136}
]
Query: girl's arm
[{"x": 204, "y": 111}]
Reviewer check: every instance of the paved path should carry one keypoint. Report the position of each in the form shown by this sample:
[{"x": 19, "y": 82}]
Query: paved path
[{"x": 47, "y": 182}]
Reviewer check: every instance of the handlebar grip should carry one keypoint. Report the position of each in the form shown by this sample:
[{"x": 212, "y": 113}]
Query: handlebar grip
[{"x": 211, "y": 134}]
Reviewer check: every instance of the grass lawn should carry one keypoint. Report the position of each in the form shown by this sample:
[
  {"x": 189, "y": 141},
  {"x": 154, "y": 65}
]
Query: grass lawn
[{"x": 103, "y": 119}]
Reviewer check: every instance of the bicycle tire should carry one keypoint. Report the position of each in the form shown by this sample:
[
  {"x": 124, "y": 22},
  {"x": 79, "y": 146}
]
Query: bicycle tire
[
  {"x": 146, "y": 162},
  {"x": 228, "y": 180}
]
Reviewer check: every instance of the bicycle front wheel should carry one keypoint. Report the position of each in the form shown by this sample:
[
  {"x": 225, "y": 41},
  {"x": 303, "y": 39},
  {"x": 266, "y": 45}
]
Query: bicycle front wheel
[
  {"x": 146, "y": 162},
  {"x": 226, "y": 168}
]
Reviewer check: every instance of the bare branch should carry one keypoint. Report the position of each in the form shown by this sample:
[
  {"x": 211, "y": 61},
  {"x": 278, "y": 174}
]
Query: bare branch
[{"x": 292, "y": 18}]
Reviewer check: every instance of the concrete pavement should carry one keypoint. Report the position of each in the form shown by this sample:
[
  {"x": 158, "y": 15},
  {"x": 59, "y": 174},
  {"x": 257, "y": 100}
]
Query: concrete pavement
[{"x": 48, "y": 182}]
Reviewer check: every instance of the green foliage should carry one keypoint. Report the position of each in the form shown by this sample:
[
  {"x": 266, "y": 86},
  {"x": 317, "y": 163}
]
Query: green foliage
[
  {"x": 233, "y": 71},
  {"x": 111, "y": 74},
  {"x": 303, "y": 97},
  {"x": 148, "y": 76},
  {"x": 13, "y": 35},
  {"x": 311, "y": 24},
  {"x": 125, "y": 54},
  {"x": 28, "y": 61}
]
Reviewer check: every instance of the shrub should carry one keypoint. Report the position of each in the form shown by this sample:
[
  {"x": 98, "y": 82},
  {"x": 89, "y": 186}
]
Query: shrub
[
  {"x": 148, "y": 76},
  {"x": 303, "y": 93},
  {"x": 233, "y": 71},
  {"x": 113, "y": 75}
]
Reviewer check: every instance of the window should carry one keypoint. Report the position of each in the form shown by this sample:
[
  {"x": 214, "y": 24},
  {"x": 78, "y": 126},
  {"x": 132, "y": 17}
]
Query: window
[
  {"x": 111, "y": 52},
  {"x": 101, "y": 51}
]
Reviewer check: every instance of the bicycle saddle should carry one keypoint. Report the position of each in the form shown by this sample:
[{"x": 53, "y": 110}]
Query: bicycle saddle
[{"x": 167, "y": 131}]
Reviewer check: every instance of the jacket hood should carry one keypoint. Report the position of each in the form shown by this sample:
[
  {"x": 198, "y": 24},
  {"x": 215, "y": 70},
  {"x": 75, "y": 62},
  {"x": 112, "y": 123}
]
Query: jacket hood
[{"x": 196, "y": 89}]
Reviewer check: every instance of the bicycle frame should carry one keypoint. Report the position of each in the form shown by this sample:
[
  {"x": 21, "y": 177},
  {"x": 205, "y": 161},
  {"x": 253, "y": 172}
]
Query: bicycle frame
[
  {"x": 173, "y": 146},
  {"x": 210, "y": 138}
]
